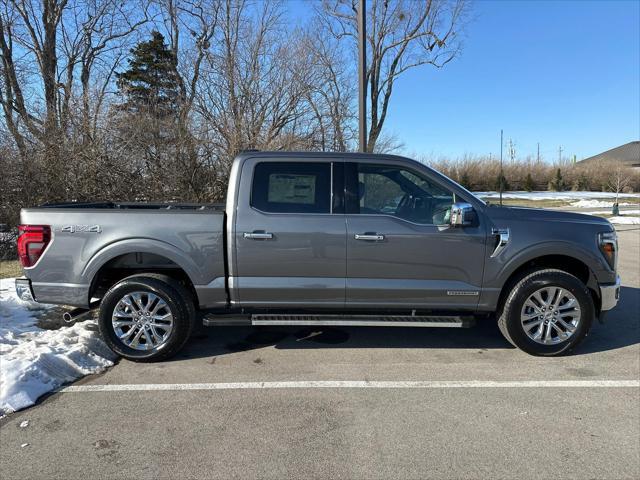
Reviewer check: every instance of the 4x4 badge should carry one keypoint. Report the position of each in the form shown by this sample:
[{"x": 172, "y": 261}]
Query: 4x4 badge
[{"x": 81, "y": 228}]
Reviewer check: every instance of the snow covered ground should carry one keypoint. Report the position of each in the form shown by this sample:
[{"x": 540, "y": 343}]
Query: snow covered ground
[
  {"x": 624, "y": 220},
  {"x": 599, "y": 204},
  {"x": 633, "y": 197},
  {"x": 34, "y": 361}
]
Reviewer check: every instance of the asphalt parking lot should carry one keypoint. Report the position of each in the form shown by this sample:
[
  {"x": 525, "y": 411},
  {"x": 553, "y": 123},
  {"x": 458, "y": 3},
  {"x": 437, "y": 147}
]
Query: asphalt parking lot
[{"x": 488, "y": 430}]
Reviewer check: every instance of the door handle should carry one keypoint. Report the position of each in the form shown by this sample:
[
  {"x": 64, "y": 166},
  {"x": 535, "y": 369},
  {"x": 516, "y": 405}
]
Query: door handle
[
  {"x": 369, "y": 237},
  {"x": 258, "y": 235}
]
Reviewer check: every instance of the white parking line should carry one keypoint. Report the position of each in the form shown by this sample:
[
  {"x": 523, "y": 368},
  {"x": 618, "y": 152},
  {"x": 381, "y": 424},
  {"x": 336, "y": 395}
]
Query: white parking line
[{"x": 144, "y": 387}]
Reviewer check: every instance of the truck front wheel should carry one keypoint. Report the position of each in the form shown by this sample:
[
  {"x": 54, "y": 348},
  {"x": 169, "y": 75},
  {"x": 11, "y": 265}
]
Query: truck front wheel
[
  {"x": 146, "y": 317},
  {"x": 547, "y": 313}
]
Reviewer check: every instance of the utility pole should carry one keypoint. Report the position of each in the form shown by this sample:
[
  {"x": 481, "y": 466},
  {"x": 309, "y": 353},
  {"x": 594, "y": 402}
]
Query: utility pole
[
  {"x": 560, "y": 154},
  {"x": 362, "y": 74},
  {"x": 501, "y": 172},
  {"x": 538, "y": 157}
]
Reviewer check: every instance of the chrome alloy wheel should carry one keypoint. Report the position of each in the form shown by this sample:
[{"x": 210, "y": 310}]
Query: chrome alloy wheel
[
  {"x": 142, "y": 320},
  {"x": 550, "y": 315}
]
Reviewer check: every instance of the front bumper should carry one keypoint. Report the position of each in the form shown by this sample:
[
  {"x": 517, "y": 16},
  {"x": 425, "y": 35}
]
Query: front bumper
[
  {"x": 24, "y": 290},
  {"x": 609, "y": 295}
]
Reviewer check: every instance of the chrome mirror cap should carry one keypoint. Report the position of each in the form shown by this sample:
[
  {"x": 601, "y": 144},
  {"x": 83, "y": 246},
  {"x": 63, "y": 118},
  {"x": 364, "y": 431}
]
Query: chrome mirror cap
[{"x": 462, "y": 214}]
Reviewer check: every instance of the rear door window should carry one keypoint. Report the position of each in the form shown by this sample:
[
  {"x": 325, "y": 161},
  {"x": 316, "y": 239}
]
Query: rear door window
[{"x": 292, "y": 187}]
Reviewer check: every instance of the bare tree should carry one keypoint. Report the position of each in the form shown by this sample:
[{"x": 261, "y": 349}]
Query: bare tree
[
  {"x": 51, "y": 51},
  {"x": 402, "y": 34},
  {"x": 254, "y": 91},
  {"x": 619, "y": 179},
  {"x": 330, "y": 89}
]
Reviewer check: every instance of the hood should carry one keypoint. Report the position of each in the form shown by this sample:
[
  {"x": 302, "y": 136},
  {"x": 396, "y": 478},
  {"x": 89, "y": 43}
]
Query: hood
[{"x": 543, "y": 215}]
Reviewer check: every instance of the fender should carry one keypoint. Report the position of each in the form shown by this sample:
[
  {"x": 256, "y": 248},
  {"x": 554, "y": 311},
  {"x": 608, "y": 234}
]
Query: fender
[
  {"x": 498, "y": 270},
  {"x": 566, "y": 249},
  {"x": 141, "y": 245}
]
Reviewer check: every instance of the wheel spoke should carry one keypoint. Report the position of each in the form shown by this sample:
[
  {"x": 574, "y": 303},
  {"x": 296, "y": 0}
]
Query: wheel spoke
[
  {"x": 127, "y": 334},
  {"x": 123, "y": 323},
  {"x": 150, "y": 337},
  {"x": 558, "y": 296},
  {"x": 567, "y": 326},
  {"x": 137, "y": 298},
  {"x": 530, "y": 325},
  {"x": 128, "y": 302},
  {"x": 529, "y": 316},
  {"x": 547, "y": 336},
  {"x": 537, "y": 297},
  {"x": 561, "y": 333},
  {"x": 572, "y": 303}
]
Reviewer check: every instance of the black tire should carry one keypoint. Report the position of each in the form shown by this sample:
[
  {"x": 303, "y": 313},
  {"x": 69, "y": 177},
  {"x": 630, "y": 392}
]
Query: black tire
[
  {"x": 509, "y": 319},
  {"x": 176, "y": 296}
]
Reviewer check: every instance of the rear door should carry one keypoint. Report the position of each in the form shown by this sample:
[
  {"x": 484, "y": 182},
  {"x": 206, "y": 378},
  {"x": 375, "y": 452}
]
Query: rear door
[
  {"x": 401, "y": 251},
  {"x": 290, "y": 234}
]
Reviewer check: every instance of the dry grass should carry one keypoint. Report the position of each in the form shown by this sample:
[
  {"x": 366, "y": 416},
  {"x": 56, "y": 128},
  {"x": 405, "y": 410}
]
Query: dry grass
[
  {"x": 523, "y": 202},
  {"x": 10, "y": 268}
]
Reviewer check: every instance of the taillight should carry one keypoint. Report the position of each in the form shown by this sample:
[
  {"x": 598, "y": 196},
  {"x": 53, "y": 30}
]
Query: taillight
[{"x": 32, "y": 240}]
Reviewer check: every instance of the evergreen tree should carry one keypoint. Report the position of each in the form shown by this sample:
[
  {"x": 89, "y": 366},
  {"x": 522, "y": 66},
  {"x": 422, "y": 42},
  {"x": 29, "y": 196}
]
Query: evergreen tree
[
  {"x": 150, "y": 84},
  {"x": 529, "y": 184},
  {"x": 557, "y": 183}
]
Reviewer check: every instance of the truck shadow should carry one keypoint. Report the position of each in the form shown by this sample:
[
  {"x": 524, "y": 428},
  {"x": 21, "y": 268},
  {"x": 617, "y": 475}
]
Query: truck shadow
[{"x": 621, "y": 329}]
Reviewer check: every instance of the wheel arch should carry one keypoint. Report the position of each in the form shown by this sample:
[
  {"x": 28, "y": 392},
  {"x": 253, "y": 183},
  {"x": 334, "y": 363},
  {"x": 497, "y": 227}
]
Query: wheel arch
[
  {"x": 559, "y": 261},
  {"x": 129, "y": 257}
]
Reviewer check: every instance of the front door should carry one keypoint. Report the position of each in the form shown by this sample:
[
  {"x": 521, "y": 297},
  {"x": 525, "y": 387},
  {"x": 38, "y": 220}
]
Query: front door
[
  {"x": 401, "y": 251},
  {"x": 290, "y": 235}
]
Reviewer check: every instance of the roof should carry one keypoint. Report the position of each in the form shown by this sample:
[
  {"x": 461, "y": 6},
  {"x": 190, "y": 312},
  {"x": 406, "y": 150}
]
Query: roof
[
  {"x": 309, "y": 155},
  {"x": 628, "y": 154}
]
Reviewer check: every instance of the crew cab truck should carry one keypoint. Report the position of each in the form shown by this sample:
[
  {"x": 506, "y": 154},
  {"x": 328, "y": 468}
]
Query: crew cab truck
[{"x": 322, "y": 239}]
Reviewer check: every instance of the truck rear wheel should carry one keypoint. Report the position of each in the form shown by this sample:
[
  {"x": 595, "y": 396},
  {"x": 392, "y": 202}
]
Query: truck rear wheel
[
  {"x": 146, "y": 317},
  {"x": 547, "y": 313}
]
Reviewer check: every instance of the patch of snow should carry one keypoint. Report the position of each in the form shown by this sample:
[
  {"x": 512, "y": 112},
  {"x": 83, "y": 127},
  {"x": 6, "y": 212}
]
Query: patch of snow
[
  {"x": 608, "y": 212},
  {"x": 597, "y": 204},
  {"x": 625, "y": 220},
  {"x": 24, "y": 424},
  {"x": 34, "y": 361},
  {"x": 545, "y": 195}
]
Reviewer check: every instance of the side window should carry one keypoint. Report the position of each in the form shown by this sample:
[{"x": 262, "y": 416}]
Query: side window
[
  {"x": 391, "y": 190},
  {"x": 291, "y": 187}
]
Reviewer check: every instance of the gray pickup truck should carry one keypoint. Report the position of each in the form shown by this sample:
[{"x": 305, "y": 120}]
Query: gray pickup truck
[{"x": 322, "y": 239}]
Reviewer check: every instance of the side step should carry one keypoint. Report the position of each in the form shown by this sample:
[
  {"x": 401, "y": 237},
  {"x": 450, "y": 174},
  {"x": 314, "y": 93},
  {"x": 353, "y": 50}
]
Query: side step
[{"x": 450, "y": 321}]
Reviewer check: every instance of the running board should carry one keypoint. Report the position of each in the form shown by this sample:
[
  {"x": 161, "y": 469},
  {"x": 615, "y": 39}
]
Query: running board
[{"x": 450, "y": 321}]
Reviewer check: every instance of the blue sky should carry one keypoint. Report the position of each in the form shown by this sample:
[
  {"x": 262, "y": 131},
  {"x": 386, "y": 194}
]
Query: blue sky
[{"x": 559, "y": 73}]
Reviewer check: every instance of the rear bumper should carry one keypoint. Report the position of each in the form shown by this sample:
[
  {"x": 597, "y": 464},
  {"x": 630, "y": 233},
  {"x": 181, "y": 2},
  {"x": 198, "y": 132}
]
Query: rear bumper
[
  {"x": 609, "y": 295},
  {"x": 75, "y": 295}
]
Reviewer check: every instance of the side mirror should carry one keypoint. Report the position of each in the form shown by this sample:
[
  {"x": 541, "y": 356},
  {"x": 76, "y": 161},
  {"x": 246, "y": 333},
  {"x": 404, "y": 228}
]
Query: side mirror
[{"x": 462, "y": 215}]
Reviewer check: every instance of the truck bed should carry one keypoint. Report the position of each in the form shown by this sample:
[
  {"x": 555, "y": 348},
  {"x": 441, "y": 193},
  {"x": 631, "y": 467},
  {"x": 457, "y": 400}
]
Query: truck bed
[
  {"x": 87, "y": 237},
  {"x": 136, "y": 205}
]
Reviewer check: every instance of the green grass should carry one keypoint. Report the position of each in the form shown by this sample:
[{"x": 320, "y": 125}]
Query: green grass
[{"x": 10, "y": 268}]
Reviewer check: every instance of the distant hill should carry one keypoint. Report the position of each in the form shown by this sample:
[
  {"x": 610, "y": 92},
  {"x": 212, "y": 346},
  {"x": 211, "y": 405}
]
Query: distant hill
[{"x": 628, "y": 154}]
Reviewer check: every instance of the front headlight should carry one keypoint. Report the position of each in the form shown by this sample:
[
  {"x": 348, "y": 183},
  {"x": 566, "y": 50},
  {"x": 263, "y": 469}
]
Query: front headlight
[{"x": 608, "y": 244}]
